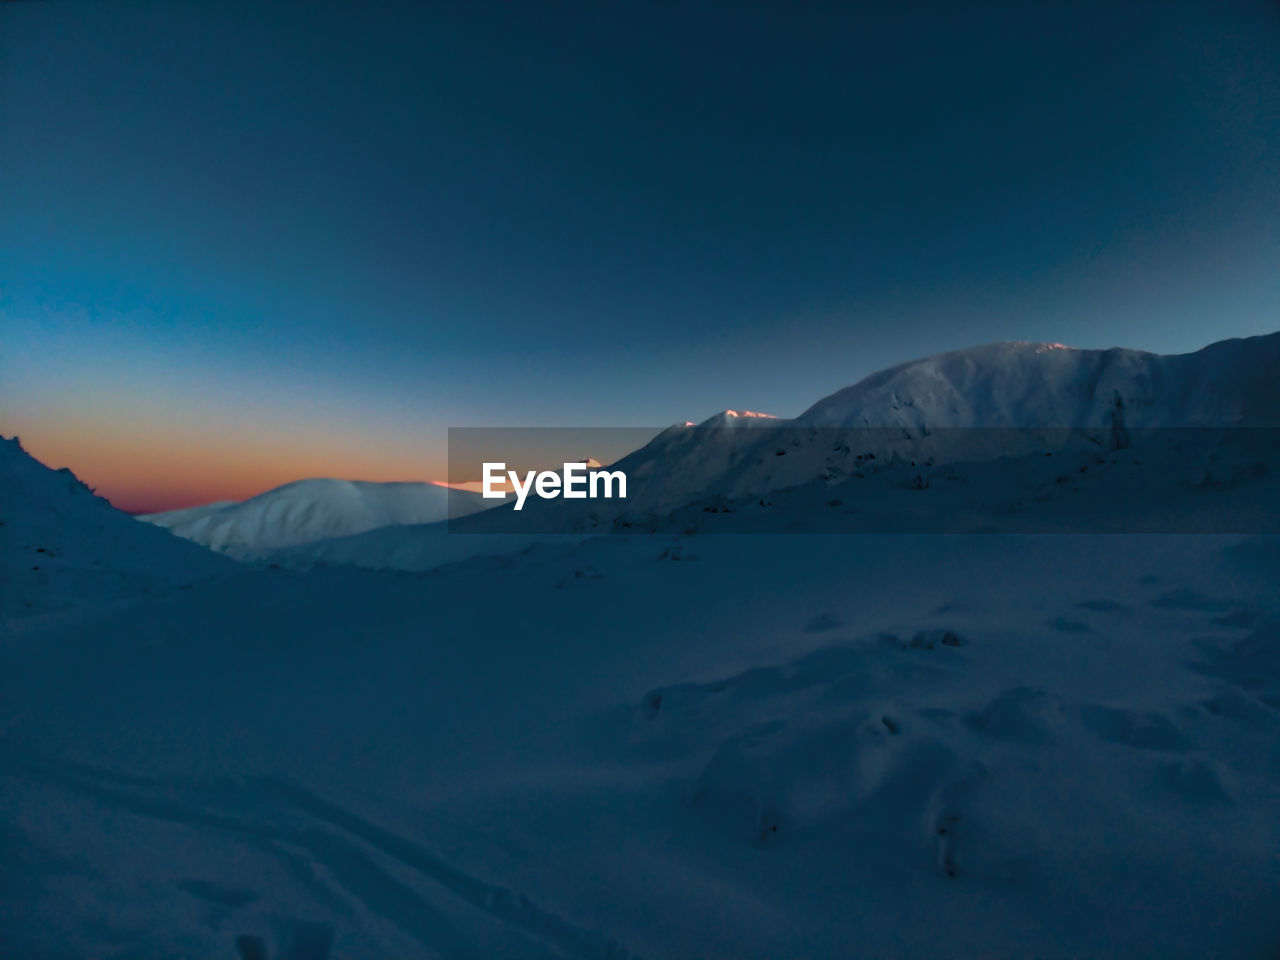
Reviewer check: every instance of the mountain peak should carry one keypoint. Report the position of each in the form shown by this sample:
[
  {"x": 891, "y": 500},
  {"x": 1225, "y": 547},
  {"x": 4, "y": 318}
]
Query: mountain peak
[{"x": 1038, "y": 384}]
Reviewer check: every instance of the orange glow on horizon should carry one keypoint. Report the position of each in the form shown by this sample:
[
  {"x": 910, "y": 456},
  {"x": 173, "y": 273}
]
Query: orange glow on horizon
[{"x": 169, "y": 469}]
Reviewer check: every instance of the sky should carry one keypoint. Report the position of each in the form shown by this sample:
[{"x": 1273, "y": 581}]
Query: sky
[{"x": 244, "y": 243}]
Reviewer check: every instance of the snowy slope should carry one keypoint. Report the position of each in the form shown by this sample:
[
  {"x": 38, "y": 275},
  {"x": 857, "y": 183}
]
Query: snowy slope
[
  {"x": 988, "y": 401},
  {"x": 1183, "y": 481},
  {"x": 62, "y": 548},
  {"x": 759, "y": 747},
  {"x": 412, "y": 547},
  {"x": 1231, "y": 383},
  {"x": 311, "y": 510}
]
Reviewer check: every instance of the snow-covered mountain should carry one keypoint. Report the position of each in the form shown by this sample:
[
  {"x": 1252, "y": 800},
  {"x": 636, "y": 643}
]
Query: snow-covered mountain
[
  {"x": 978, "y": 403},
  {"x": 63, "y": 548},
  {"x": 1229, "y": 383},
  {"x": 310, "y": 510},
  {"x": 934, "y": 424}
]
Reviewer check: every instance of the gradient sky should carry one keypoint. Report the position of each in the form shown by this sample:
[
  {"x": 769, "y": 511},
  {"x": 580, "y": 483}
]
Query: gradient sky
[{"x": 242, "y": 243}]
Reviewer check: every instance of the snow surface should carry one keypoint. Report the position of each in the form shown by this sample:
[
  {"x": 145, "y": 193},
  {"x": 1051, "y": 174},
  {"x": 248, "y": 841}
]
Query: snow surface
[
  {"x": 309, "y": 510},
  {"x": 64, "y": 550},
  {"x": 410, "y": 547},
  {"x": 643, "y": 745}
]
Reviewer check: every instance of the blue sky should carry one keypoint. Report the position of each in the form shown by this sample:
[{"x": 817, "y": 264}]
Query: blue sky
[{"x": 239, "y": 241}]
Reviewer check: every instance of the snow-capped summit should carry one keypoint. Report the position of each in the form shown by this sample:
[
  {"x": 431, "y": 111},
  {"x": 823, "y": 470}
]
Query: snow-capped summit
[
  {"x": 1231, "y": 383},
  {"x": 730, "y": 417},
  {"x": 727, "y": 418},
  {"x": 311, "y": 510},
  {"x": 999, "y": 388}
]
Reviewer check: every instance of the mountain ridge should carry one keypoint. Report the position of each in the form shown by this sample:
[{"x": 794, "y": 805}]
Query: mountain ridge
[
  {"x": 310, "y": 510},
  {"x": 1013, "y": 389}
]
